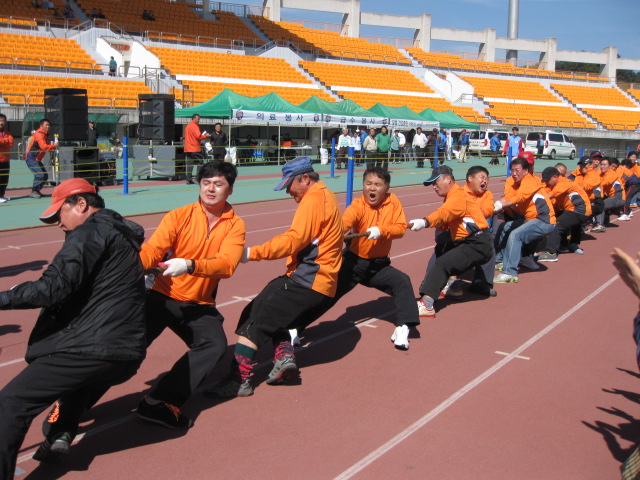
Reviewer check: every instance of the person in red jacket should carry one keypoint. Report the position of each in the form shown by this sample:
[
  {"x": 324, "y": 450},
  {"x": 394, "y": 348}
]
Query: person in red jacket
[
  {"x": 192, "y": 146},
  {"x": 36, "y": 150},
  {"x": 6, "y": 142}
]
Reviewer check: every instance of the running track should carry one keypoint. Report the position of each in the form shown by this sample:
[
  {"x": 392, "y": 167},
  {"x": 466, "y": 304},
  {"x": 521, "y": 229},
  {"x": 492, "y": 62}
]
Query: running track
[{"x": 539, "y": 382}]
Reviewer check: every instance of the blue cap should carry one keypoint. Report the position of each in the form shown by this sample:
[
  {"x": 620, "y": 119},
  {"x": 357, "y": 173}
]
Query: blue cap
[
  {"x": 441, "y": 170},
  {"x": 297, "y": 166}
]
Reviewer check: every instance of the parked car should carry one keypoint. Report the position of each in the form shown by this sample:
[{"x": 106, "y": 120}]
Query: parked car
[
  {"x": 479, "y": 141},
  {"x": 555, "y": 144}
]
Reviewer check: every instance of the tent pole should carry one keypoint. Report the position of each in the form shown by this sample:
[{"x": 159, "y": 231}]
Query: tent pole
[{"x": 278, "y": 145}]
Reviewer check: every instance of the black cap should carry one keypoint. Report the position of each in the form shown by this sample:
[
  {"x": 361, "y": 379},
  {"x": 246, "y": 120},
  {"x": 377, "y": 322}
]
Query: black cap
[
  {"x": 584, "y": 160},
  {"x": 595, "y": 153},
  {"x": 441, "y": 170}
]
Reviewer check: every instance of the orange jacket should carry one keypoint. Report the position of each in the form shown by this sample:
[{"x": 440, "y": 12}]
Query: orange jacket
[
  {"x": 6, "y": 142},
  {"x": 485, "y": 202},
  {"x": 591, "y": 183},
  {"x": 531, "y": 200},
  {"x": 568, "y": 196},
  {"x": 388, "y": 217},
  {"x": 39, "y": 143},
  {"x": 192, "y": 137},
  {"x": 459, "y": 213},
  {"x": 631, "y": 175},
  {"x": 184, "y": 233},
  {"x": 611, "y": 185},
  {"x": 313, "y": 243}
]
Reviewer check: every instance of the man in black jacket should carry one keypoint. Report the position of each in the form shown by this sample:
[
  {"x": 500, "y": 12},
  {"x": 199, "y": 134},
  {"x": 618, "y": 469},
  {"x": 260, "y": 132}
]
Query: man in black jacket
[{"x": 90, "y": 333}]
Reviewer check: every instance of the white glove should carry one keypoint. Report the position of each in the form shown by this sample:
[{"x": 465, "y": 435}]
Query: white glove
[
  {"x": 497, "y": 206},
  {"x": 204, "y": 133},
  {"x": 55, "y": 141},
  {"x": 245, "y": 255},
  {"x": 418, "y": 224},
  {"x": 374, "y": 233},
  {"x": 177, "y": 267}
]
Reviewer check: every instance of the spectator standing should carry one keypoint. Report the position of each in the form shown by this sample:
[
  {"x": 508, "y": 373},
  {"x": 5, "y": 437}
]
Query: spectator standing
[
  {"x": 540, "y": 145},
  {"x": 92, "y": 135},
  {"x": 430, "y": 151},
  {"x": 193, "y": 147},
  {"x": 370, "y": 147},
  {"x": 357, "y": 148},
  {"x": 408, "y": 148},
  {"x": 36, "y": 150},
  {"x": 90, "y": 332},
  {"x": 463, "y": 143},
  {"x": 219, "y": 141},
  {"x": 514, "y": 144},
  {"x": 395, "y": 149},
  {"x": 494, "y": 145},
  {"x": 113, "y": 67},
  {"x": 6, "y": 143},
  {"x": 344, "y": 142},
  {"x": 442, "y": 146},
  {"x": 272, "y": 151},
  {"x": 419, "y": 144},
  {"x": 384, "y": 144}
]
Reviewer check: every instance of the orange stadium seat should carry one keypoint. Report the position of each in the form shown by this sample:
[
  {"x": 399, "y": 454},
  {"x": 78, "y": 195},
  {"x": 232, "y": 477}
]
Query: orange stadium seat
[{"x": 31, "y": 50}]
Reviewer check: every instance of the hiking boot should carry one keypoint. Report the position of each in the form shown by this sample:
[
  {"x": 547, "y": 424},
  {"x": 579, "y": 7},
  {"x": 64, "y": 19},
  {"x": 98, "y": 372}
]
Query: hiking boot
[
  {"x": 599, "y": 229},
  {"x": 230, "y": 387},
  {"x": 52, "y": 452},
  {"x": 283, "y": 369},
  {"x": 400, "y": 337},
  {"x": 163, "y": 413},
  {"x": 548, "y": 257},
  {"x": 505, "y": 278},
  {"x": 424, "y": 312},
  {"x": 35, "y": 194}
]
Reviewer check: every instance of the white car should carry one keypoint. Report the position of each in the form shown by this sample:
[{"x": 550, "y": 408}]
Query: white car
[
  {"x": 479, "y": 141},
  {"x": 555, "y": 144}
]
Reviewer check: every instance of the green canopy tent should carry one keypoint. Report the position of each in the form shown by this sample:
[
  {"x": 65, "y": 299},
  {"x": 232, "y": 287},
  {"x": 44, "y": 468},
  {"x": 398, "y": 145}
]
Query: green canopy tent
[
  {"x": 403, "y": 117},
  {"x": 448, "y": 119}
]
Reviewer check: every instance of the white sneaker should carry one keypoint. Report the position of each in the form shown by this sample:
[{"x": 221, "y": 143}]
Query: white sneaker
[
  {"x": 505, "y": 278},
  {"x": 400, "y": 337},
  {"x": 4, "y": 199},
  {"x": 624, "y": 218},
  {"x": 295, "y": 339}
]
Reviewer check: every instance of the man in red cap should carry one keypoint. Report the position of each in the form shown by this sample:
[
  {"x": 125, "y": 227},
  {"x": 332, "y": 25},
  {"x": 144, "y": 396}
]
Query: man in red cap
[{"x": 90, "y": 333}]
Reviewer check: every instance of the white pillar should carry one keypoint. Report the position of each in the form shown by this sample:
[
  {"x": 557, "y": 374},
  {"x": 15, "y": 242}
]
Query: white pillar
[
  {"x": 609, "y": 68},
  {"x": 487, "y": 50},
  {"x": 273, "y": 7},
  {"x": 422, "y": 35}
]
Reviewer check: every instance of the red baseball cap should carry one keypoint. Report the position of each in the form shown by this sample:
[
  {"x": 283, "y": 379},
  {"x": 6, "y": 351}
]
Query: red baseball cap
[
  {"x": 528, "y": 156},
  {"x": 67, "y": 188}
]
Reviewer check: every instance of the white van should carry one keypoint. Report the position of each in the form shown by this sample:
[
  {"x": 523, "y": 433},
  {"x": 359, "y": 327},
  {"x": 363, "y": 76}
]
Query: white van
[
  {"x": 555, "y": 144},
  {"x": 479, "y": 141}
]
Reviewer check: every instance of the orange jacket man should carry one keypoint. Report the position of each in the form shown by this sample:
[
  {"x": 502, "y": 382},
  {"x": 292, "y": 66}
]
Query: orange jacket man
[
  {"x": 192, "y": 146},
  {"x": 6, "y": 142},
  {"x": 36, "y": 150}
]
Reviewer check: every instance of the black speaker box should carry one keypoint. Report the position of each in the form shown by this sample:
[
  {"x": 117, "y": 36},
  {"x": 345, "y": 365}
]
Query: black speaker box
[
  {"x": 69, "y": 131},
  {"x": 165, "y": 133},
  {"x": 157, "y": 119},
  {"x": 77, "y": 117},
  {"x": 165, "y": 107},
  {"x": 63, "y": 102},
  {"x": 86, "y": 164}
]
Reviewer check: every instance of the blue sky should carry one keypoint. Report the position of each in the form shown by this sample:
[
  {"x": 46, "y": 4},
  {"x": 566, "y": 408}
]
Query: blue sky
[{"x": 587, "y": 25}]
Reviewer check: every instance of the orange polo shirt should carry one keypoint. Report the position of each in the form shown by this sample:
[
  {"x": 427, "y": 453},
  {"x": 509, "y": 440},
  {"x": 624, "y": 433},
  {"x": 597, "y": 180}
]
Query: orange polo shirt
[
  {"x": 612, "y": 186},
  {"x": 388, "y": 217},
  {"x": 6, "y": 142},
  {"x": 459, "y": 213},
  {"x": 313, "y": 243},
  {"x": 531, "y": 200},
  {"x": 184, "y": 233},
  {"x": 485, "y": 201},
  {"x": 591, "y": 183},
  {"x": 192, "y": 137},
  {"x": 568, "y": 196}
]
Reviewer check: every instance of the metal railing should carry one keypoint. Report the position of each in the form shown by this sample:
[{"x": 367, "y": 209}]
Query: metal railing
[
  {"x": 23, "y": 23},
  {"x": 238, "y": 9},
  {"x": 200, "y": 40},
  {"x": 327, "y": 26},
  {"x": 362, "y": 57}
]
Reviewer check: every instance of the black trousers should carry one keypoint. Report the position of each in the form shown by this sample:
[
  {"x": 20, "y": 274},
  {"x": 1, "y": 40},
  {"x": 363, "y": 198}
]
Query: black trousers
[
  {"x": 631, "y": 190},
  {"x": 379, "y": 274},
  {"x": 76, "y": 381},
  {"x": 566, "y": 223},
  {"x": 382, "y": 160},
  {"x": 370, "y": 158},
  {"x": 419, "y": 156},
  {"x": 281, "y": 305},
  {"x": 4, "y": 177},
  {"x": 192, "y": 159},
  {"x": 200, "y": 328},
  {"x": 454, "y": 258}
]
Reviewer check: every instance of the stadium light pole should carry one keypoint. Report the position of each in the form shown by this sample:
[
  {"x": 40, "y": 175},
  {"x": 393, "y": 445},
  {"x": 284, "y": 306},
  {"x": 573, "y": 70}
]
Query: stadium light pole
[{"x": 512, "y": 28}]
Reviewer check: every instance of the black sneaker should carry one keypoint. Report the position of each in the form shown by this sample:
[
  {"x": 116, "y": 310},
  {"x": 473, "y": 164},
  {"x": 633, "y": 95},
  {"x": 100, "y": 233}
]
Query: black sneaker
[
  {"x": 164, "y": 414},
  {"x": 283, "y": 369},
  {"x": 482, "y": 289},
  {"x": 53, "y": 452}
]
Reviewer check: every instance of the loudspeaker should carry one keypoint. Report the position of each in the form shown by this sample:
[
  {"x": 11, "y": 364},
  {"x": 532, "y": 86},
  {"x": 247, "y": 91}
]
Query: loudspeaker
[
  {"x": 164, "y": 134},
  {"x": 86, "y": 164},
  {"x": 68, "y": 111},
  {"x": 166, "y": 107},
  {"x": 159, "y": 119}
]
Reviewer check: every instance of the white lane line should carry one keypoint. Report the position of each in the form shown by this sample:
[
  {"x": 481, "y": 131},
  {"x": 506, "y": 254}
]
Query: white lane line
[
  {"x": 517, "y": 356},
  {"x": 11, "y": 362},
  {"x": 406, "y": 433}
]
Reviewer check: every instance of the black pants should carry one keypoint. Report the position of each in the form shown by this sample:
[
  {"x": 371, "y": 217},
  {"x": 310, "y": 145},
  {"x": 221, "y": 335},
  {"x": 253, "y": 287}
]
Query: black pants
[
  {"x": 192, "y": 159},
  {"x": 341, "y": 157},
  {"x": 454, "y": 258},
  {"x": 419, "y": 156},
  {"x": 281, "y": 305},
  {"x": 4, "y": 177},
  {"x": 382, "y": 160},
  {"x": 76, "y": 381},
  {"x": 631, "y": 190},
  {"x": 200, "y": 328},
  {"x": 370, "y": 158},
  {"x": 379, "y": 274},
  {"x": 566, "y": 223}
]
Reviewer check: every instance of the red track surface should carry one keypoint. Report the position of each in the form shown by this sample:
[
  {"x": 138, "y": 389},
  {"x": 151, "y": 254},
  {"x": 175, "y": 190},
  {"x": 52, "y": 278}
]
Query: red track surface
[{"x": 449, "y": 408}]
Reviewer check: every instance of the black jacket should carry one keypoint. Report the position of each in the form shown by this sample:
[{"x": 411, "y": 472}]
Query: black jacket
[
  {"x": 92, "y": 294},
  {"x": 92, "y": 138}
]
